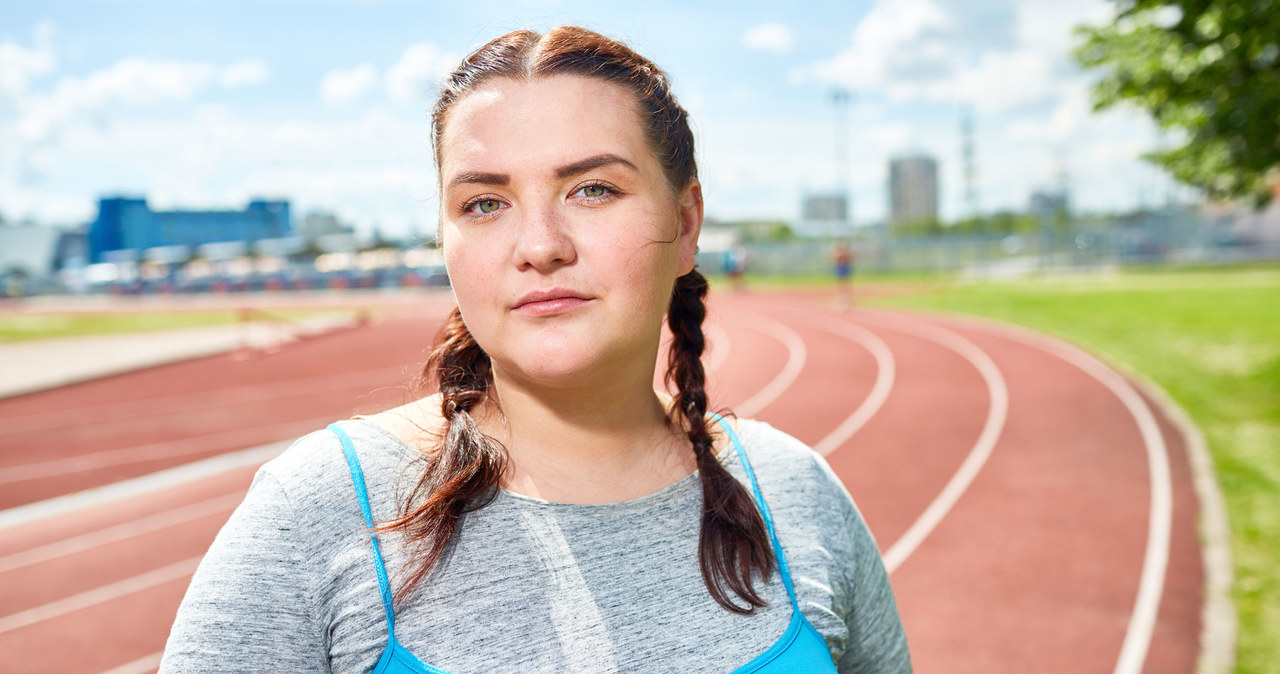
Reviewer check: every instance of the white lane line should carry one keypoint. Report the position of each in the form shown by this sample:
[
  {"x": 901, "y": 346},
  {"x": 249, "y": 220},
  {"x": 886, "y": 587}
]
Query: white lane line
[
  {"x": 997, "y": 413},
  {"x": 99, "y": 595},
  {"x": 796, "y": 356},
  {"x": 99, "y": 496},
  {"x": 148, "y": 663},
  {"x": 156, "y": 450},
  {"x": 168, "y": 405},
  {"x": 1218, "y": 615},
  {"x": 120, "y": 532},
  {"x": 1142, "y": 622},
  {"x": 719, "y": 340},
  {"x": 886, "y": 373}
]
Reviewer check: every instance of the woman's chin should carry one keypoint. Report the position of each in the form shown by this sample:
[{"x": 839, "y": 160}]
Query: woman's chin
[{"x": 557, "y": 368}]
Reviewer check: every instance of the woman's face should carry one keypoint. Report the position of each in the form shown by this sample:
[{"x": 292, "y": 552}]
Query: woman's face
[{"x": 561, "y": 235}]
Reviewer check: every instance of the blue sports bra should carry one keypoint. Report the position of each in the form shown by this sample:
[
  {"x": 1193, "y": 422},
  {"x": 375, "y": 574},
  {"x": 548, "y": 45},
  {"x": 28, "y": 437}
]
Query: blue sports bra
[{"x": 800, "y": 649}]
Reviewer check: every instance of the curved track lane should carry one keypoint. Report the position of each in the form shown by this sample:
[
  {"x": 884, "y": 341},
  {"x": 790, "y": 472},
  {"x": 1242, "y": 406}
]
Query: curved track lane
[{"x": 1010, "y": 487}]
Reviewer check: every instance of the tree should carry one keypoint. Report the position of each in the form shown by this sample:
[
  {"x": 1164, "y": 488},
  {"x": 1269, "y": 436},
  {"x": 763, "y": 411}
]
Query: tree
[{"x": 1208, "y": 70}]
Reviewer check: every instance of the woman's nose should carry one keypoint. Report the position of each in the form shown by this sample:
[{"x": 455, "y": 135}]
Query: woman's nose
[{"x": 542, "y": 241}]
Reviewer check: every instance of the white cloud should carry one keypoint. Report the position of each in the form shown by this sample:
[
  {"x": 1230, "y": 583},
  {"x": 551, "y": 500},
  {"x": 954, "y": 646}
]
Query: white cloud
[
  {"x": 773, "y": 37},
  {"x": 375, "y": 167},
  {"x": 73, "y": 103},
  {"x": 896, "y": 37},
  {"x": 917, "y": 50},
  {"x": 243, "y": 73},
  {"x": 1000, "y": 80},
  {"x": 340, "y": 86},
  {"x": 130, "y": 81},
  {"x": 19, "y": 65},
  {"x": 419, "y": 71}
]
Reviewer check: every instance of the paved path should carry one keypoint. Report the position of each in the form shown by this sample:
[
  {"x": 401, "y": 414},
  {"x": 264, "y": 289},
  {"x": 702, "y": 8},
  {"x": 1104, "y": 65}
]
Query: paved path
[
  {"x": 38, "y": 365},
  {"x": 1035, "y": 509}
]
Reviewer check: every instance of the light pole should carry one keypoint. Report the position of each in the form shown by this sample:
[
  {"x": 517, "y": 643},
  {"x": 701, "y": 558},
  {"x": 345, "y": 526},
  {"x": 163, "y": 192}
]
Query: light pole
[{"x": 840, "y": 101}]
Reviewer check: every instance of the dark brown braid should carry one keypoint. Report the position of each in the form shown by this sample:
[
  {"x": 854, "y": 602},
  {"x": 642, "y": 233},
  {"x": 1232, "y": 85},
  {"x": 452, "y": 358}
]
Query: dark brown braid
[
  {"x": 468, "y": 468},
  {"x": 733, "y": 543}
]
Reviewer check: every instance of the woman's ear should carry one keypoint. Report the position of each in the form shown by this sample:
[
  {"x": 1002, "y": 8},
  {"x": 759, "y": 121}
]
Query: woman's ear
[{"x": 690, "y": 214}]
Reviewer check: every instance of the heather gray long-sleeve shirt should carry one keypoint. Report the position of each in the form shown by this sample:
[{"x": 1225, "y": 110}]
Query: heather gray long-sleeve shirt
[{"x": 530, "y": 586}]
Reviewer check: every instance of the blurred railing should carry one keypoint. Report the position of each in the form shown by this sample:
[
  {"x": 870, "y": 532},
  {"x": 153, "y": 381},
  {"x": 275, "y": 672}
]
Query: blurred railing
[{"x": 1160, "y": 239}]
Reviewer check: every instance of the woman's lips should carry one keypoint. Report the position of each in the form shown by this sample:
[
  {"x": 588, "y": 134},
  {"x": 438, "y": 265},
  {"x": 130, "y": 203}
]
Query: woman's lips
[
  {"x": 549, "y": 302},
  {"x": 551, "y": 307}
]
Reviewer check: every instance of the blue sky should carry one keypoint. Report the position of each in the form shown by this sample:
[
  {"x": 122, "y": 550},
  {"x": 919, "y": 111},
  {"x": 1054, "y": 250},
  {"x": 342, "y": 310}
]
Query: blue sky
[{"x": 207, "y": 104}]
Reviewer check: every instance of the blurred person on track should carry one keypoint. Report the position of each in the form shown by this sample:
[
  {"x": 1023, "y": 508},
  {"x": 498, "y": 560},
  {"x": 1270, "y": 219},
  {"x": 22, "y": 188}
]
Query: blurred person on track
[
  {"x": 547, "y": 510},
  {"x": 842, "y": 265},
  {"x": 735, "y": 264}
]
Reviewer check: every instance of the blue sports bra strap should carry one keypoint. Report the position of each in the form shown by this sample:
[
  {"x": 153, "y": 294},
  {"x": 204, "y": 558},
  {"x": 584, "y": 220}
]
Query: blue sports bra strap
[
  {"x": 764, "y": 507},
  {"x": 357, "y": 478}
]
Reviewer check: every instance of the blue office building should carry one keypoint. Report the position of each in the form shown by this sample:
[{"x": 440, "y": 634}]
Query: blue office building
[{"x": 128, "y": 223}]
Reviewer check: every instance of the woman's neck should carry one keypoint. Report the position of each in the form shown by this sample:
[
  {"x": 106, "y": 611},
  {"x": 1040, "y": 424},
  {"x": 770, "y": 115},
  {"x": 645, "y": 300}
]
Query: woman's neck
[{"x": 596, "y": 445}]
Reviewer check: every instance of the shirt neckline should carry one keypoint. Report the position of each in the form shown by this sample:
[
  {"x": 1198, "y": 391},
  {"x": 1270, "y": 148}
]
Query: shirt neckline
[{"x": 673, "y": 490}]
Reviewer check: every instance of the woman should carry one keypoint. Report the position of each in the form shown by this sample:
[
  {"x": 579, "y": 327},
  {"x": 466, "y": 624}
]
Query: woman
[{"x": 547, "y": 510}]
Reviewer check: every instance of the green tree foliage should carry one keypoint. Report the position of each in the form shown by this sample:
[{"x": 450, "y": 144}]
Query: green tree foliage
[
  {"x": 1208, "y": 70},
  {"x": 922, "y": 227},
  {"x": 754, "y": 231},
  {"x": 1001, "y": 223}
]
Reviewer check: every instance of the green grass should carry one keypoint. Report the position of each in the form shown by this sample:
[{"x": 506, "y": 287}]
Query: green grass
[
  {"x": 1211, "y": 338},
  {"x": 19, "y": 327},
  {"x": 27, "y": 326}
]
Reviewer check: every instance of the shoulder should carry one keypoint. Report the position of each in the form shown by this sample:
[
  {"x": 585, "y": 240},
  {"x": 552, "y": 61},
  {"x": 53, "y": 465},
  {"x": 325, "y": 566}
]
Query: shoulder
[
  {"x": 797, "y": 483},
  {"x": 780, "y": 461},
  {"x": 806, "y": 497},
  {"x": 315, "y": 467}
]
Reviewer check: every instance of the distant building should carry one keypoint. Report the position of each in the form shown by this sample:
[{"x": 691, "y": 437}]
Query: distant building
[
  {"x": 1045, "y": 204},
  {"x": 129, "y": 224},
  {"x": 824, "y": 214},
  {"x": 913, "y": 189},
  {"x": 320, "y": 223},
  {"x": 28, "y": 251}
]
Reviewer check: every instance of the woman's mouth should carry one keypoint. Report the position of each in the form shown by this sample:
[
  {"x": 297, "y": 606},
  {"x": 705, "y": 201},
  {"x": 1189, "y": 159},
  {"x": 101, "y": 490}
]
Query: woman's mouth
[{"x": 551, "y": 302}]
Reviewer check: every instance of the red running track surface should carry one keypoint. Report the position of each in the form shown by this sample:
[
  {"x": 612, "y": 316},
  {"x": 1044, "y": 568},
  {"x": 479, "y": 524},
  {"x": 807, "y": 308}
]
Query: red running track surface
[{"x": 1009, "y": 487}]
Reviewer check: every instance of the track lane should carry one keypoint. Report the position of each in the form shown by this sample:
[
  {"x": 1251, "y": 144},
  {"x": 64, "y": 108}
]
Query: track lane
[
  {"x": 904, "y": 434},
  {"x": 930, "y": 420},
  {"x": 1181, "y": 604},
  {"x": 121, "y": 555},
  {"x": 1044, "y": 552},
  {"x": 34, "y": 461}
]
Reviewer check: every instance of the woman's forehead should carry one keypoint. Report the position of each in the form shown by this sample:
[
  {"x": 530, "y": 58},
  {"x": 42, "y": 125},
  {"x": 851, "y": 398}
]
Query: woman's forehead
[{"x": 512, "y": 123}]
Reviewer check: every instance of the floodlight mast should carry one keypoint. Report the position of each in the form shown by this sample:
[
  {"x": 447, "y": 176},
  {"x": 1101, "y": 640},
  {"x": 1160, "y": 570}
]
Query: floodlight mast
[
  {"x": 840, "y": 100},
  {"x": 970, "y": 171}
]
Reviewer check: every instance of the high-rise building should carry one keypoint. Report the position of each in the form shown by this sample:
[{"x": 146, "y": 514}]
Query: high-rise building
[
  {"x": 1045, "y": 203},
  {"x": 129, "y": 224},
  {"x": 824, "y": 214},
  {"x": 913, "y": 189}
]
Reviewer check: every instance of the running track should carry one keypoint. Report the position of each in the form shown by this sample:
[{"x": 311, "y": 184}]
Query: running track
[{"x": 1035, "y": 509}]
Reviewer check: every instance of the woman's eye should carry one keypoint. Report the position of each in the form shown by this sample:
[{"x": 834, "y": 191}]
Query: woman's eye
[
  {"x": 596, "y": 191},
  {"x": 485, "y": 206}
]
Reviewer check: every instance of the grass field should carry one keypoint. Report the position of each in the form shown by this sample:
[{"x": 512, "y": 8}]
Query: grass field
[
  {"x": 16, "y": 327},
  {"x": 1211, "y": 338}
]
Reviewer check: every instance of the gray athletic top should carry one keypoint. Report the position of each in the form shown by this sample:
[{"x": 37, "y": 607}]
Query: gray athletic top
[{"x": 529, "y": 585}]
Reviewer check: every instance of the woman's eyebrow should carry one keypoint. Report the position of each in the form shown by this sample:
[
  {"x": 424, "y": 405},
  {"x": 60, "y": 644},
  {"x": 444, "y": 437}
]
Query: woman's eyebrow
[
  {"x": 589, "y": 163},
  {"x": 580, "y": 166},
  {"x": 479, "y": 177}
]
